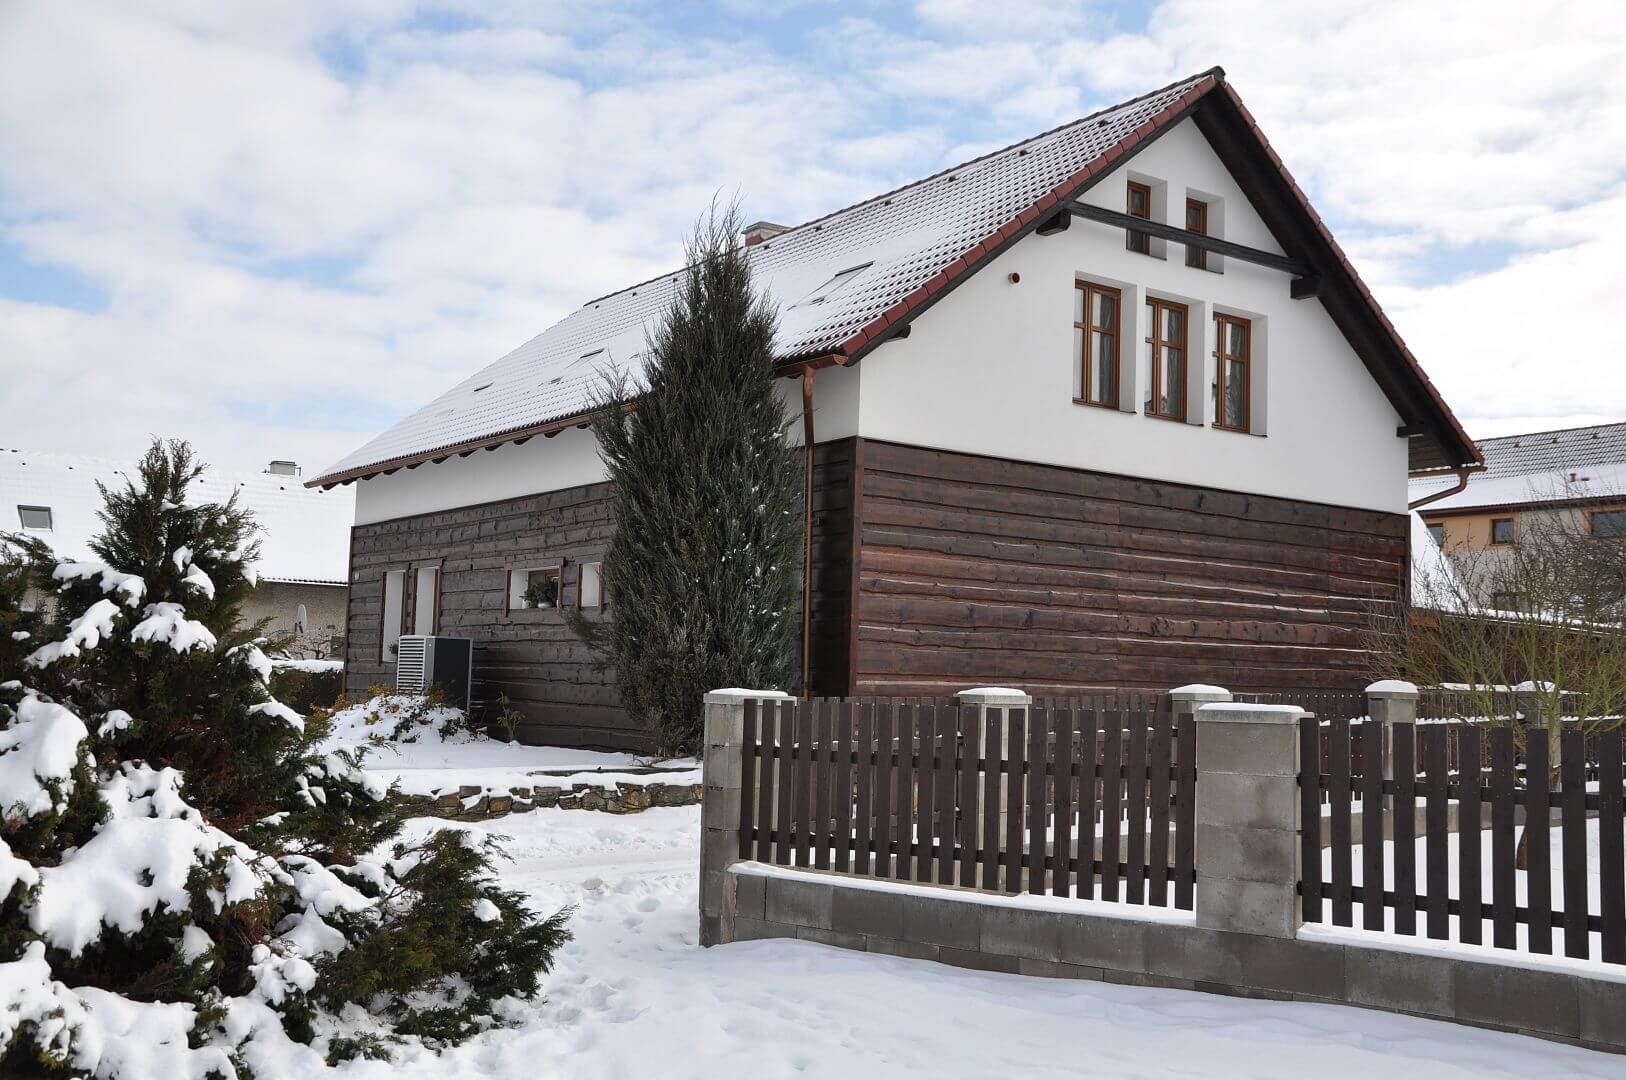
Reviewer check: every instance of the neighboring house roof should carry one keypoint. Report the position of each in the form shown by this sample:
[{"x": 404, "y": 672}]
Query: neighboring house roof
[
  {"x": 847, "y": 281},
  {"x": 304, "y": 538},
  {"x": 1567, "y": 466}
]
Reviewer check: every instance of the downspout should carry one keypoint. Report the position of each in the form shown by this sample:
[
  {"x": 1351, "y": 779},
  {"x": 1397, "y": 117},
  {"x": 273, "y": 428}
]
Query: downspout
[
  {"x": 807, "y": 512},
  {"x": 1462, "y": 482}
]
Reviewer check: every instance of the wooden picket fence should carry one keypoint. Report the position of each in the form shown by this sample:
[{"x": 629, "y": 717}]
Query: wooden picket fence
[
  {"x": 1339, "y": 768},
  {"x": 1094, "y": 804}
]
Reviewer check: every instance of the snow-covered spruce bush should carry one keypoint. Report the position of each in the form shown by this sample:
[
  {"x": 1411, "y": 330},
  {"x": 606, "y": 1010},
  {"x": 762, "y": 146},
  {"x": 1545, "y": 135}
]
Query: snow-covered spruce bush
[{"x": 184, "y": 880}]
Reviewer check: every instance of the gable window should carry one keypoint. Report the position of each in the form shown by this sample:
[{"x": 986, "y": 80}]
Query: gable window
[
  {"x": 1139, "y": 204},
  {"x": 1166, "y": 337},
  {"x": 1502, "y": 530},
  {"x": 1437, "y": 531},
  {"x": 1233, "y": 377},
  {"x": 1197, "y": 222},
  {"x": 1609, "y": 524},
  {"x": 1095, "y": 343},
  {"x": 35, "y": 518}
]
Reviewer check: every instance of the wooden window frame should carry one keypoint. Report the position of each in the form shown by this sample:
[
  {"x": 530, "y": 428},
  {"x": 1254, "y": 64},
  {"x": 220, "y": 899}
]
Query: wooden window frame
[
  {"x": 1138, "y": 242},
  {"x": 409, "y": 606},
  {"x": 554, "y": 566},
  {"x": 1513, "y": 524},
  {"x": 1592, "y": 528},
  {"x": 1221, "y": 366},
  {"x": 1154, "y": 338},
  {"x": 1087, "y": 358},
  {"x": 1197, "y": 257}
]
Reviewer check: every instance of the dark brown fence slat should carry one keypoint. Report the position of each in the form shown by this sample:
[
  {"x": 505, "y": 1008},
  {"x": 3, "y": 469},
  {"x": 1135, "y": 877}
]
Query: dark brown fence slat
[
  {"x": 1471, "y": 924},
  {"x": 1538, "y": 883},
  {"x": 841, "y": 784},
  {"x": 1089, "y": 755},
  {"x": 1309, "y": 821},
  {"x": 1038, "y": 730},
  {"x": 1504, "y": 930},
  {"x": 1405, "y": 828},
  {"x": 823, "y": 730},
  {"x": 751, "y": 750},
  {"x": 922, "y": 785},
  {"x": 1336, "y": 735},
  {"x": 943, "y": 832},
  {"x": 1157, "y": 802},
  {"x": 864, "y": 817},
  {"x": 1185, "y": 812},
  {"x": 889, "y": 779},
  {"x": 786, "y": 814},
  {"x": 1437, "y": 831},
  {"x": 1371, "y": 825},
  {"x": 1061, "y": 880},
  {"x": 965, "y": 769},
  {"x": 1135, "y": 878},
  {"x": 991, "y": 751},
  {"x": 1572, "y": 766},
  {"x": 1612, "y": 847},
  {"x": 1015, "y": 776},
  {"x": 1111, "y": 788}
]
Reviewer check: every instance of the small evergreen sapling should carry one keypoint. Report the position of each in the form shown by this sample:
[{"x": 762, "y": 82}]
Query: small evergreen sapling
[
  {"x": 707, "y": 549},
  {"x": 169, "y": 835}
]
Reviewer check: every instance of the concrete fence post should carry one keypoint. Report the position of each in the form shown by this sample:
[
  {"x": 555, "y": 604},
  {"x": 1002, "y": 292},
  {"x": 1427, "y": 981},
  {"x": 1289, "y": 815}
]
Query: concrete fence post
[
  {"x": 1390, "y": 702},
  {"x": 1186, "y": 700},
  {"x": 998, "y": 700},
  {"x": 1248, "y": 819},
  {"x": 721, "y": 763}
]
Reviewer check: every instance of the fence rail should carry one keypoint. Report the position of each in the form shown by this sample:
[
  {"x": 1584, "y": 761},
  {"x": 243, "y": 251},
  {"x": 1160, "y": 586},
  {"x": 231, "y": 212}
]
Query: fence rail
[
  {"x": 1456, "y": 885},
  {"x": 1093, "y": 804}
]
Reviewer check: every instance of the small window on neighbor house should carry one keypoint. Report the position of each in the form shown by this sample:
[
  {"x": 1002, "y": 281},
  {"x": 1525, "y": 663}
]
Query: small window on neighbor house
[
  {"x": 1233, "y": 372},
  {"x": 1166, "y": 337},
  {"x": 1139, "y": 204},
  {"x": 1507, "y": 601},
  {"x": 1609, "y": 524},
  {"x": 1502, "y": 530},
  {"x": 591, "y": 586},
  {"x": 1096, "y": 343},
  {"x": 35, "y": 518},
  {"x": 1197, "y": 222},
  {"x": 1438, "y": 533}
]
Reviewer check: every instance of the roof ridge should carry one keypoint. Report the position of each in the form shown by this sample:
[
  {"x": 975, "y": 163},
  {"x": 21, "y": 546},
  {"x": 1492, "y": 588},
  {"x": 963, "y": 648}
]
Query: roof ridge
[
  {"x": 1549, "y": 431},
  {"x": 1217, "y": 72}
]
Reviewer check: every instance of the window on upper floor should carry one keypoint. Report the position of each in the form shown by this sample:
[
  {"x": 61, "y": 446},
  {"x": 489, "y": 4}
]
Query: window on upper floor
[
  {"x": 1166, "y": 339},
  {"x": 1139, "y": 204},
  {"x": 1437, "y": 532},
  {"x": 35, "y": 518},
  {"x": 1197, "y": 222},
  {"x": 1507, "y": 601},
  {"x": 1501, "y": 530},
  {"x": 1096, "y": 340},
  {"x": 1233, "y": 372},
  {"x": 1608, "y": 524}
]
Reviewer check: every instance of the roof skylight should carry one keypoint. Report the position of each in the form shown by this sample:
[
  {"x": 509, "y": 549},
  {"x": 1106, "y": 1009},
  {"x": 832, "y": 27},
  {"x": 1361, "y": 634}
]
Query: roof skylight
[{"x": 833, "y": 286}]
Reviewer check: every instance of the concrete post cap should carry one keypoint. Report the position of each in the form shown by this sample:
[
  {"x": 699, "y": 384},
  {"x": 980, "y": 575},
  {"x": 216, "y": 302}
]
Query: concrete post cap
[
  {"x": 1392, "y": 689},
  {"x": 734, "y": 695},
  {"x": 1241, "y": 712},
  {"x": 994, "y": 695},
  {"x": 1199, "y": 692}
]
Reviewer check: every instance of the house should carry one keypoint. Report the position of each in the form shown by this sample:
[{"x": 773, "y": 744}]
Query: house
[
  {"x": 1107, "y": 408},
  {"x": 1572, "y": 480},
  {"x": 304, "y": 542}
]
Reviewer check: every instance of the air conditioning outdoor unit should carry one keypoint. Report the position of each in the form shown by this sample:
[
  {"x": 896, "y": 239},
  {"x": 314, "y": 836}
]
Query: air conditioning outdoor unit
[{"x": 422, "y": 661}]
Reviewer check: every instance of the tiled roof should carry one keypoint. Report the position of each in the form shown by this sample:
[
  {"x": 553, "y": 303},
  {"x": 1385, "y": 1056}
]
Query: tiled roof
[
  {"x": 908, "y": 247},
  {"x": 305, "y": 534},
  {"x": 1540, "y": 466},
  {"x": 1545, "y": 451}
]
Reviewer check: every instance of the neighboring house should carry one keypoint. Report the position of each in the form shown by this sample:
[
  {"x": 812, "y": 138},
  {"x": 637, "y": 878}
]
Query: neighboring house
[
  {"x": 304, "y": 542},
  {"x": 1105, "y": 409},
  {"x": 1573, "y": 479}
]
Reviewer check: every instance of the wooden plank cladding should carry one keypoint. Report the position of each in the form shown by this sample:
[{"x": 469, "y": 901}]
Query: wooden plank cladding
[{"x": 976, "y": 570}]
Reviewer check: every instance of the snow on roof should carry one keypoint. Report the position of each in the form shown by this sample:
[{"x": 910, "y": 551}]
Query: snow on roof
[
  {"x": 305, "y": 533},
  {"x": 830, "y": 278},
  {"x": 1539, "y": 466}
]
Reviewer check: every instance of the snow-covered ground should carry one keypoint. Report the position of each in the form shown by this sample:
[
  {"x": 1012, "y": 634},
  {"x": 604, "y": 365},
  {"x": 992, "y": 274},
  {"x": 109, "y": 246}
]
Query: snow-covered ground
[{"x": 634, "y": 996}]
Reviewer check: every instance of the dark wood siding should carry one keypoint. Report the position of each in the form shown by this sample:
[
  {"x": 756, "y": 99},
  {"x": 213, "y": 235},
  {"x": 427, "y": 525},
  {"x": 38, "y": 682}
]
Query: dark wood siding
[
  {"x": 567, "y": 699},
  {"x": 832, "y": 567},
  {"x": 977, "y": 570}
]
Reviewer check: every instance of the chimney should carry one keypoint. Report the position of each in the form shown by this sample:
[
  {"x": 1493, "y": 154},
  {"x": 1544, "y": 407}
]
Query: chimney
[
  {"x": 283, "y": 468},
  {"x": 758, "y": 231}
]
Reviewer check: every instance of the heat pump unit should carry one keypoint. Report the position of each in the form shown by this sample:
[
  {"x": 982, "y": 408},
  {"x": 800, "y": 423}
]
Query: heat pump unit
[{"x": 422, "y": 661}]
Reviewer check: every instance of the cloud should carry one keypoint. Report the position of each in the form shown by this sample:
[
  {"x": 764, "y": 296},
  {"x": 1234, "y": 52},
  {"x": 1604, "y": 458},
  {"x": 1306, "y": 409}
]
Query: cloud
[{"x": 308, "y": 218}]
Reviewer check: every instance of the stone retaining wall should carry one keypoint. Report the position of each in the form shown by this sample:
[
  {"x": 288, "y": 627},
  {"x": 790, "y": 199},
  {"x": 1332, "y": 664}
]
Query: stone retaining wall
[{"x": 474, "y": 803}]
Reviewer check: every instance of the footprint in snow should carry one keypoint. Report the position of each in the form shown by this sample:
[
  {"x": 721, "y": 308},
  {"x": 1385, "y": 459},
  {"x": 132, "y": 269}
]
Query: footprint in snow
[{"x": 649, "y": 903}]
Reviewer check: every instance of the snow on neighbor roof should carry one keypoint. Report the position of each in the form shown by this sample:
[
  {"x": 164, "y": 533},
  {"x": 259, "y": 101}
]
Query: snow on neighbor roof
[
  {"x": 1434, "y": 582},
  {"x": 1539, "y": 467},
  {"x": 305, "y": 535},
  {"x": 847, "y": 280}
]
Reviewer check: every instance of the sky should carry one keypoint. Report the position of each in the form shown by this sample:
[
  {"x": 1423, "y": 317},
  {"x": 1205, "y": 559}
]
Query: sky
[{"x": 275, "y": 229}]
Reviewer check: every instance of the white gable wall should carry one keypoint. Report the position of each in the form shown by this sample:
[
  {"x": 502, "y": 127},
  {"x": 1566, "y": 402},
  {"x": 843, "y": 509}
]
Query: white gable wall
[{"x": 989, "y": 369}]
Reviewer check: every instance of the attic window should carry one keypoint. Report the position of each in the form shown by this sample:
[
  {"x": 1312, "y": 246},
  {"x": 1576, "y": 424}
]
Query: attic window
[
  {"x": 35, "y": 518},
  {"x": 834, "y": 285}
]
